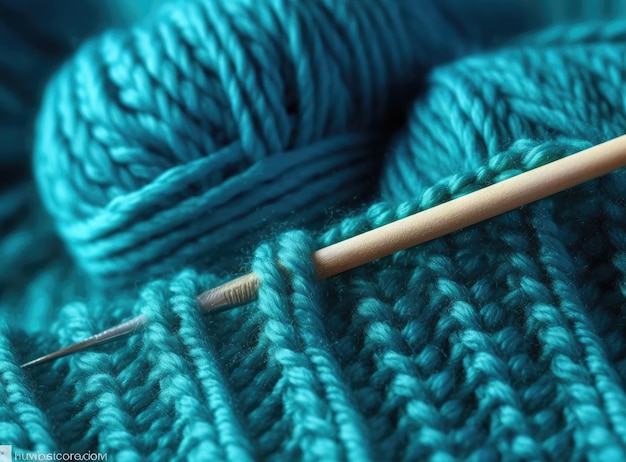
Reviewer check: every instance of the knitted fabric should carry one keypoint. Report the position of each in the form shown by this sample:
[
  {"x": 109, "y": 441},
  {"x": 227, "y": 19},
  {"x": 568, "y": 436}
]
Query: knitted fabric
[{"x": 501, "y": 341}]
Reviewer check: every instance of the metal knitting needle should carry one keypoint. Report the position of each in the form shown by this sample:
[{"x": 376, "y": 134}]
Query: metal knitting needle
[{"x": 408, "y": 232}]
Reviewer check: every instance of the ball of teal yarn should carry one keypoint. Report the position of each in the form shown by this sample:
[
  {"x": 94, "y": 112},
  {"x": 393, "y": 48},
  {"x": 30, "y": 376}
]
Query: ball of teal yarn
[
  {"x": 562, "y": 83},
  {"x": 175, "y": 142}
]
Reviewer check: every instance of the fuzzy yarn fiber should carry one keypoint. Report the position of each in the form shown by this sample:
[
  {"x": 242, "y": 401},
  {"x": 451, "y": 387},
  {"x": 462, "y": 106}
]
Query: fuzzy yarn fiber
[{"x": 220, "y": 125}]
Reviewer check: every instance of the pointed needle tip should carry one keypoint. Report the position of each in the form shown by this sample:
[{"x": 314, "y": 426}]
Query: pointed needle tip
[{"x": 129, "y": 327}]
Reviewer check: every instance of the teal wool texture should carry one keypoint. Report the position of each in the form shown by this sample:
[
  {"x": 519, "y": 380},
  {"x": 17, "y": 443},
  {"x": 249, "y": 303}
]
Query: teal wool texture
[
  {"x": 185, "y": 137},
  {"x": 167, "y": 152}
]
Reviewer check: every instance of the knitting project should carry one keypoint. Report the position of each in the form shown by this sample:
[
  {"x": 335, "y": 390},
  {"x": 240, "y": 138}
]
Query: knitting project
[{"x": 167, "y": 152}]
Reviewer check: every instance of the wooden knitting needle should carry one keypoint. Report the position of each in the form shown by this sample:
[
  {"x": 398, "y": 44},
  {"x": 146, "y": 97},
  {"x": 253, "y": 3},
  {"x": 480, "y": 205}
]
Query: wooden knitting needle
[{"x": 408, "y": 232}]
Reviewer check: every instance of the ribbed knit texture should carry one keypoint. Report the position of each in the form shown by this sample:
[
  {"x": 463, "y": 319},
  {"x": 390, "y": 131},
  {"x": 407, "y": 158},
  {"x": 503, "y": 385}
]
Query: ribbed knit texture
[{"x": 162, "y": 150}]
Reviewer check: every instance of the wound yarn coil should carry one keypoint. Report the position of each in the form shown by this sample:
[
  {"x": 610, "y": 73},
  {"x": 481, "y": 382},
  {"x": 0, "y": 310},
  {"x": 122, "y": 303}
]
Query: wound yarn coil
[
  {"x": 564, "y": 83},
  {"x": 179, "y": 141}
]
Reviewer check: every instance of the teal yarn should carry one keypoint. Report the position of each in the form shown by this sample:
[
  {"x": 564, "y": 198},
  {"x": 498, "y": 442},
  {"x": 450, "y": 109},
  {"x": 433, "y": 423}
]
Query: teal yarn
[
  {"x": 183, "y": 140},
  {"x": 32, "y": 262},
  {"x": 504, "y": 341},
  {"x": 443, "y": 352},
  {"x": 35, "y": 37},
  {"x": 471, "y": 110}
]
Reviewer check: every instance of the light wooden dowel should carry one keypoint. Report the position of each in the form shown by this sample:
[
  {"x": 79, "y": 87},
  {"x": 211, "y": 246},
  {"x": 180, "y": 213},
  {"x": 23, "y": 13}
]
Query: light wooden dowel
[
  {"x": 443, "y": 219},
  {"x": 473, "y": 208}
]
